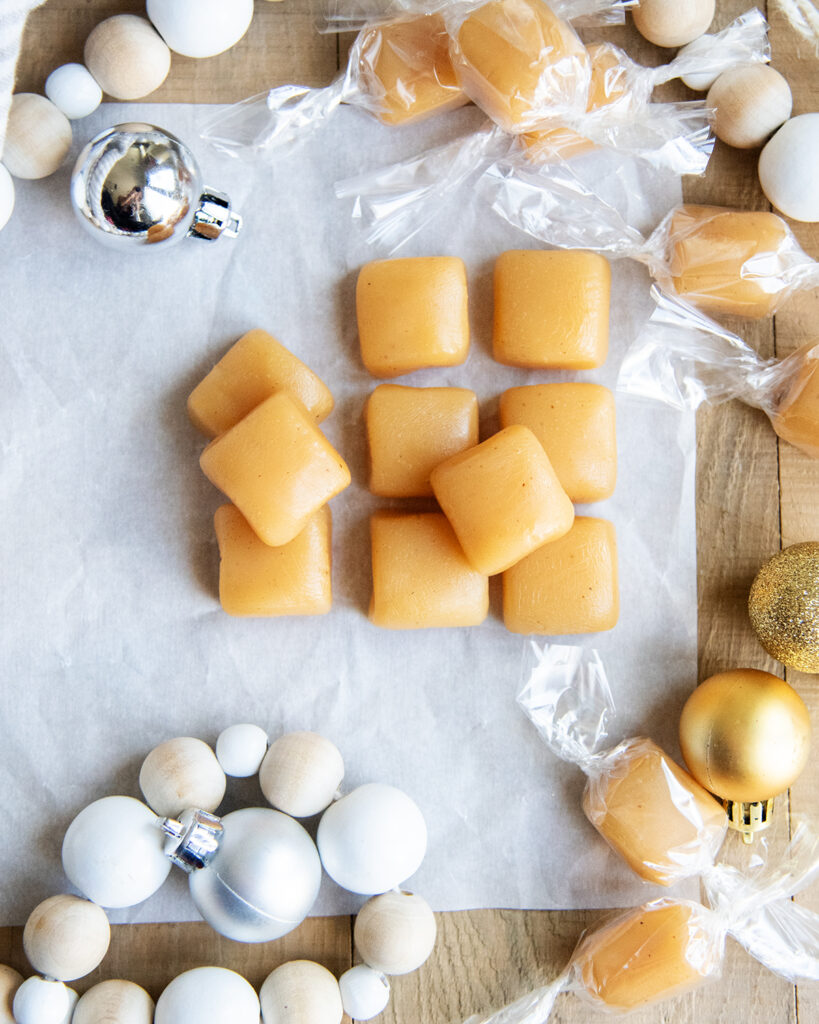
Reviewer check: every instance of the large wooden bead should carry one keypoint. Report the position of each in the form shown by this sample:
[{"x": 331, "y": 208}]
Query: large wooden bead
[
  {"x": 10, "y": 981},
  {"x": 673, "y": 22},
  {"x": 38, "y": 137},
  {"x": 364, "y": 992},
  {"x": 179, "y": 774},
  {"x": 301, "y": 992},
  {"x": 66, "y": 937},
  {"x": 40, "y": 1001},
  {"x": 201, "y": 28},
  {"x": 72, "y": 88},
  {"x": 395, "y": 932},
  {"x": 127, "y": 56},
  {"x": 208, "y": 995},
  {"x": 749, "y": 102},
  {"x": 114, "y": 1002},
  {"x": 301, "y": 773}
]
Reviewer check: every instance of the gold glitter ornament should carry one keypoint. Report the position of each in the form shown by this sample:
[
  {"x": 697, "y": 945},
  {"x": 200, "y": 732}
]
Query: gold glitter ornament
[{"x": 784, "y": 606}]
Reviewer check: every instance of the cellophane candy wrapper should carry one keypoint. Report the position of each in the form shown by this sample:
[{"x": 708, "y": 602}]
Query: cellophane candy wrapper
[
  {"x": 667, "y": 947},
  {"x": 685, "y": 359},
  {"x": 651, "y": 812}
]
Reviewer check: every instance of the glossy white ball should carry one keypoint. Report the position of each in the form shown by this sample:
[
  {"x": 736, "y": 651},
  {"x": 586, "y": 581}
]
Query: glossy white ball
[
  {"x": 301, "y": 992},
  {"x": 38, "y": 1001},
  {"x": 114, "y": 1002},
  {"x": 301, "y": 773},
  {"x": 200, "y": 28},
  {"x": 372, "y": 839},
  {"x": 364, "y": 992},
  {"x": 10, "y": 981},
  {"x": 113, "y": 852},
  {"x": 789, "y": 168},
  {"x": 74, "y": 90},
  {"x": 240, "y": 750},
  {"x": 6, "y": 196},
  {"x": 212, "y": 994},
  {"x": 179, "y": 774}
]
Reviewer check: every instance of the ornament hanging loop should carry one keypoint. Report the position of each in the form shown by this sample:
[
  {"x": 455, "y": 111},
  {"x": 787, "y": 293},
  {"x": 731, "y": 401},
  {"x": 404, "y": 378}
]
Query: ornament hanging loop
[{"x": 193, "y": 840}]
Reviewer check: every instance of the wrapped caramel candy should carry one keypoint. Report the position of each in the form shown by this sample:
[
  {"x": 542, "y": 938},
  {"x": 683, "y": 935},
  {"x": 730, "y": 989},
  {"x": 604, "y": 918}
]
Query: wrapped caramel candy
[{"x": 683, "y": 358}]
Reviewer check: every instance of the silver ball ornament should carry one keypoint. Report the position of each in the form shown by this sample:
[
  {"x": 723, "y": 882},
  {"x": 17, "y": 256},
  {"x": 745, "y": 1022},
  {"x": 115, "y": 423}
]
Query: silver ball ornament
[{"x": 135, "y": 185}]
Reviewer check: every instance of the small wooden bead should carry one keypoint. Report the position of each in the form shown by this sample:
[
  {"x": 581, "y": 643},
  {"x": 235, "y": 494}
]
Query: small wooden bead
[
  {"x": 240, "y": 750},
  {"x": 179, "y": 774},
  {"x": 127, "y": 56},
  {"x": 73, "y": 90},
  {"x": 200, "y": 28},
  {"x": 6, "y": 196},
  {"x": 301, "y": 773},
  {"x": 208, "y": 995},
  {"x": 38, "y": 137},
  {"x": 66, "y": 937},
  {"x": 114, "y": 1002},
  {"x": 301, "y": 992},
  {"x": 673, "y": 22},
  {"x": 38, "y": 1001},
  {"x": 10, "y": 981},
  {"x": 364, "y": 992},
  {"x": 750, "y": 102},
  {"x": 395, "y": 932}
]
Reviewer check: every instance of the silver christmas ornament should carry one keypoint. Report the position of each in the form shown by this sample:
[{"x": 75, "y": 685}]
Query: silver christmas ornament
[
  {"x": 135, "y": 185},
  {"x": 254, "y": 874}
]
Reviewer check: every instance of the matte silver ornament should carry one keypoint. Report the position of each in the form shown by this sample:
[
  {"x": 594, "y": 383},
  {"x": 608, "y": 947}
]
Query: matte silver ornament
[{"x": 135, "y": 185}]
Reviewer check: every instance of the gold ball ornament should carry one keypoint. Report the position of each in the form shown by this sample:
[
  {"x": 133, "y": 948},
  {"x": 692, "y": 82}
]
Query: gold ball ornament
[
  {"x": 745, "y": 735},
  {"x": 784, "y": 606}
]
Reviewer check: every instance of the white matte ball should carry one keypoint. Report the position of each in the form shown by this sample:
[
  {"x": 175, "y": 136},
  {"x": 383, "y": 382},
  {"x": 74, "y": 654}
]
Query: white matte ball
[
  {"x": 127, "y": 56},
  {"x": 66, "y": 937},
  {"x": 395, "y": 932},
  {"x": 301, "y": 992},
  {"x": 114, "y": 1002},
  {"x": 38, "y": 137},
  {"x": 6, "y": 196},
  {"x": 364, "y": 992},
  {"x": 113, "y": 852},
  {"x": 301, "y": 773},
  {"x": 38, "y": 1001},
  {"x": 372, "y": 839},
  {"x": 179, "y": 774},
  {"x": 789, "y": 168},
  {"x": 73, "y": 89},
  {"x": 10, "y": 981},
  {"x": 240, "y": 750},
  {"x": 208, "y": 994},
  {"x": 201, "y": 28}
]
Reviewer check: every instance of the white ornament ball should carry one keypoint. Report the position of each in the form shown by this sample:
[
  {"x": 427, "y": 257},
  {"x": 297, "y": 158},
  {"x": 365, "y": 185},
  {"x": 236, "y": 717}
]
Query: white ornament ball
[
  {"x": 395, "y": 932},
  {"x": 10, "y": 981},
  {"x": 127, "y": 56},
  {"x": 114, "y": 1002},
  {"x": 73, "y": 89},
  {"x": 179, "y": 774},
  {"x": 113, "y": 852},
  {"x": 39, "y": 1001},
  {"x": 700, "y": 81},
  {"x": 66, "y": 937},
  {"x": 301, "y": 992},
  {"x": 208, "y": 994},
  {"x": 372, "y": 839},
  {"x": 749, "y": 102},
  {"x": 673, "y": 22},
  {"x": 301, "y": 773},
  {"x": 38, "y": 137},
  {"x": 789, "y": 168},
  {"x": 201, "y": 28},
  {"x": 364, "y": 992},
  {"x": 240, "y": 750},
  {"x": 6, "y": 196}
]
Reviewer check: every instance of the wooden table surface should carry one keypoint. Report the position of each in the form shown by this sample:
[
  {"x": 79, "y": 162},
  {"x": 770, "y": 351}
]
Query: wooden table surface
[{"x": 754, "y": 495}]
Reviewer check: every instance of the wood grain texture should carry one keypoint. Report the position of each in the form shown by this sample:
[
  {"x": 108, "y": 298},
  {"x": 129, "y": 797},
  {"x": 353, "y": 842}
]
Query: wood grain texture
[{"x": 753, "y": 496}]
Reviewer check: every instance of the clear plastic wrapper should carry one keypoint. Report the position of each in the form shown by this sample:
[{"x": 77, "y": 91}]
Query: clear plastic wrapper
[
  {"x": 683, "y": 358},
  {"x": 668, "y": 947},
  {"x": 648, "y": 809}
]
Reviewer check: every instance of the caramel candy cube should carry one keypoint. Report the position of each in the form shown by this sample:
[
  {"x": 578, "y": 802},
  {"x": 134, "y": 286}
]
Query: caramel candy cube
[
  {"x": 797, "y": 416},
  {"x": 406, "y": 71},
  {"x": 660, "y": 820},
  {"x": 575, "y": 423},
  {"x": 652, "y": 952},
  {"x": 421, "y": 577},
  {"x": 412, "y": 313},
  {"x": 551, "y": 309},
  {"x": 249, "y": 372},
  {"x": 567, "y": 586},
  {"x": 277, "y": 467},
  {"x": 411, "y": 430},
  {"x": 503, "y": 499},
  {"x": 256, "y": 579}
]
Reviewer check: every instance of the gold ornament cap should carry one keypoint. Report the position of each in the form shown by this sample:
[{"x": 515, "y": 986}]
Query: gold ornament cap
[
  {"x": 745, "y": 735},
  {"x": 784, "y": 606}
]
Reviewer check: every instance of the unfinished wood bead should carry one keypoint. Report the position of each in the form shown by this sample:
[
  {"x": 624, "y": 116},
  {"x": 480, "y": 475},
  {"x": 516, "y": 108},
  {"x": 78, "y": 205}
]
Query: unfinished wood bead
[
  {"x": 301, "y": 992},
  {"x": 301, "y": 773},
  {"x": 179, "y": 774},
  {"x": 395, "y": 932},
  {"x": 673, "y": 22},
  {"x": 38, "y": 137},
  {"x": 750, "y": 102},
  {"x": 114, "y": 1002},
  {"x": 66, "y": 937},
  {"x": 127, "y": 56},
  {"x": 10, "y": 981}
]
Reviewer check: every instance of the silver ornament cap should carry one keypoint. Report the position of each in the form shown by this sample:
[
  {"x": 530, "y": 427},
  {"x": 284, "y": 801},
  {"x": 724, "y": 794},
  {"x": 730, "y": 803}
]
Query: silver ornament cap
[{"x": 135, "y": 185}]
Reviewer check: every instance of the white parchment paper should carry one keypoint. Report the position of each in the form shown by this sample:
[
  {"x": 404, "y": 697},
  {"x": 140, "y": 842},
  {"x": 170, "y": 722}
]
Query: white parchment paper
[{"x": 112, "y": 636}]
